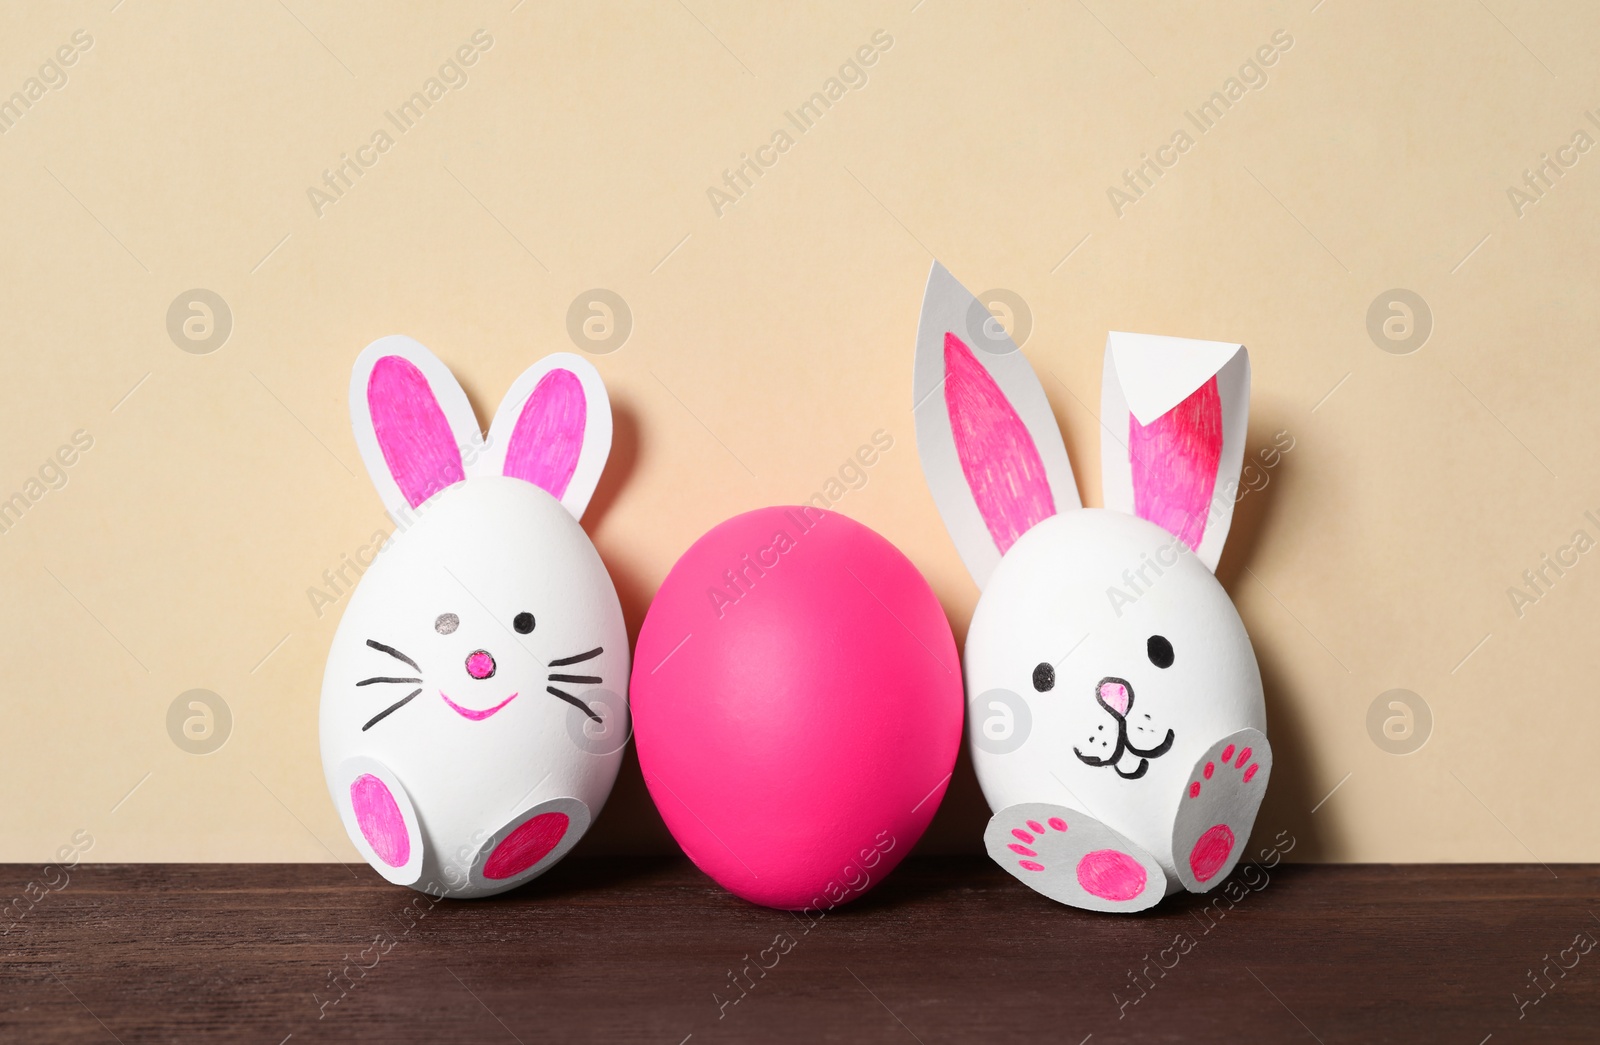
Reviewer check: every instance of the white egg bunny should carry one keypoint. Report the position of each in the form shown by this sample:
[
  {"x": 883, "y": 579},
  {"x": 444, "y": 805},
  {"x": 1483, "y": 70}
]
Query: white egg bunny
[
  {"x": 1116, "y": 718},
  {"x": 474, "y": 705}
]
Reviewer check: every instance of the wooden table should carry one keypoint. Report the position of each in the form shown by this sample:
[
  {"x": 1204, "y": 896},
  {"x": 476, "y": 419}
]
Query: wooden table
[{"x": 946, "y": 950}]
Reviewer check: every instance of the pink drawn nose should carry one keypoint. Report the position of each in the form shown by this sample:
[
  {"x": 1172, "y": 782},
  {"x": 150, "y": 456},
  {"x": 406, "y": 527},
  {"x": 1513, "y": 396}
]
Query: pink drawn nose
[
  {"x": 479, "y": 664},
  {"x": 1115, "y": 696}
]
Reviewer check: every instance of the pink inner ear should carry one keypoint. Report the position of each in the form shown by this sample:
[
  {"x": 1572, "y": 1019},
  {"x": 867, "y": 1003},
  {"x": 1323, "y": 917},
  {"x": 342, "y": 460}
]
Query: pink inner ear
[
  {"x": 548, "y": 436},
  {"x": 416, "y": 440},
  {"x": 1175, "y": 464},
  {"x": 997, "y": 453}
]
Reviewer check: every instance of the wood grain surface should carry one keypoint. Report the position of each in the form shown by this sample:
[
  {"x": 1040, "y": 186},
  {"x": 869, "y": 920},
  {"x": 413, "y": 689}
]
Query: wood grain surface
[{"x": 946, "y": 950}]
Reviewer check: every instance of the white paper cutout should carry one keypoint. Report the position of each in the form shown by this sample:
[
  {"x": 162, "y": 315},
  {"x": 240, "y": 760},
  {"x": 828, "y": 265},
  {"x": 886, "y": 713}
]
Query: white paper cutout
[
  {"x": 596, "y": 436},
  {"x": 1146, "y": 375},
  {"x": 447, "y": 392},
  {"x": 948, "y": 307},
  {"x": 1045, "y": 846},
  {"x": 1226, "y": 787}
]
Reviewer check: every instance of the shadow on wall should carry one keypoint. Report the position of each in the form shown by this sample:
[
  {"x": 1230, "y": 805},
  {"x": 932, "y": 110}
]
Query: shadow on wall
[
  {"x": 633, "y": 591},
  {"x": 629, "y": 824},
  {"x": 1290, "y": 795}
]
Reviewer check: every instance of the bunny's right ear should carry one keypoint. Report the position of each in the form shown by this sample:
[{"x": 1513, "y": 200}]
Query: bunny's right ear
[
  {"x": 553, "y": 429},
  {"x": 1173, "y": 412},
  {"x": 412, "y": 422},
  {"x": 991, "y": 449}
]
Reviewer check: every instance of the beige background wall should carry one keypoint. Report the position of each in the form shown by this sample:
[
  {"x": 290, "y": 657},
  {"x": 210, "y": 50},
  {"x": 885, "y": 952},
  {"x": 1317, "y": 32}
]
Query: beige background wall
[{"x": 768, "y": 342}]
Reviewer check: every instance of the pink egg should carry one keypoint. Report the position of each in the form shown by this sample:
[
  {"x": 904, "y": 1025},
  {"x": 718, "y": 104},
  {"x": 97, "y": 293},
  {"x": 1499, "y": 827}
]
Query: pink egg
[{"x": 797, "y": 706}]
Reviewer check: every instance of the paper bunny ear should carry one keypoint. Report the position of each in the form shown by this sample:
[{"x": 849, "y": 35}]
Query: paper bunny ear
[
  {"x": 553, "y": 429},
  {"x": 412, "y": 421},
  {"x": 1173, "y": 412},
  {"x": 990, "y": 447}
]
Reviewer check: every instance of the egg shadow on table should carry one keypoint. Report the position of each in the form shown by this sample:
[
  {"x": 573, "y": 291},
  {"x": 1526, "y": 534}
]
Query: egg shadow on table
[
  {"x": 957, "y": 828},
  {"x": 576, "y": 877}
]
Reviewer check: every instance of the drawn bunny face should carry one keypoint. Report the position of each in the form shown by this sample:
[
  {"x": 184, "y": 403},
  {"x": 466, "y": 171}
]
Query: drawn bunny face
[
  {"x": 474, "y": 703},
  {"x": 1103, "y": 658},
  {"x": 1118, "y": 707}
]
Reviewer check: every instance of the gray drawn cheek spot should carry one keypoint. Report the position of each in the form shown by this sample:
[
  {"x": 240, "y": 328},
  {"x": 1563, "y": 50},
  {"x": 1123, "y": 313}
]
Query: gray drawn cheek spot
[
  {"x": 199, "y": 721},
  {"x": 1000, "y": 721},
  {"x": 199, "y": 321}
]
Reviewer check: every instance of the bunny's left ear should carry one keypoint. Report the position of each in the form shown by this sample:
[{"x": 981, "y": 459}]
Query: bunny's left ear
[
  {"x": 1173, "y": 413},
  {"x": 991, "y": 450},
  {"x": 553, "y": 429},
  {"x": 412, "y": 422}
]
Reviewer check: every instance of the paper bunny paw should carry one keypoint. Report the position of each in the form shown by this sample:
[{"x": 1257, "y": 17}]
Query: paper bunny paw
[
  {"x": 1219, "y": 807},
  {"x": 381, "y": 820},
  {"x": 1073, "y": 858},
  {"x": 530, "y": 843}
]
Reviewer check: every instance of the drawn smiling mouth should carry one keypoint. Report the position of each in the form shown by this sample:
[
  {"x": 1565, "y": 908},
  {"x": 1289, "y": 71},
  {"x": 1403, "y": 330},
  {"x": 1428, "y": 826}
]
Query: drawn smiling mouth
[
  {"x": 473, "y": 714},
  {"x": 1115, "y": 695}
]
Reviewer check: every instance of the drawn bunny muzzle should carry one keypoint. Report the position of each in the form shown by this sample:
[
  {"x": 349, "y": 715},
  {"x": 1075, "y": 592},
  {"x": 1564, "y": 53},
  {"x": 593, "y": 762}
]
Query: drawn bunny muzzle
[
  {"x": 474, "y": 704},
  {"x": 1134, "y": 755}
]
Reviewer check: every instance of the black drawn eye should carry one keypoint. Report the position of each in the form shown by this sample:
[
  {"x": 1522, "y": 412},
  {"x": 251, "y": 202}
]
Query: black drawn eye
[
  {"x": 523, "y": 622},
  {"x": 1044, "y": 677},
  {"x": 446, "y": 623},
  {"x": 1160, "y": 651}
]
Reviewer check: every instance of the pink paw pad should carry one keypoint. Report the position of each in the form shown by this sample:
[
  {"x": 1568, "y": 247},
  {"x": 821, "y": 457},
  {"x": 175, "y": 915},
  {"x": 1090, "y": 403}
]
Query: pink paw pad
[
  {"x": 526, "y": 846},
  {"x": 1222, "y": 797},
  {"x": 378, "y": 814},
  {"x": 1211, "y": 852},
  {"x": 1111, "y": 875},
  {"x": 1211, "y": 768},
  {"x": 1056, "y": 824}
]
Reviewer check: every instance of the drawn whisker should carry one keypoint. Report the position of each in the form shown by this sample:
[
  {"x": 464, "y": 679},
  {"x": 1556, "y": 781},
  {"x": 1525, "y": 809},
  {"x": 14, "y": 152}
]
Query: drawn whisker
[
  {"x": 576, "y": 678},
  {"x": 380, "y": 647},
  {"x": 383, "y": 678},
  {"x": 574, "y": 701},
  {"x": 576, "y": 659},
  {"x": 391, "y": 709}
]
